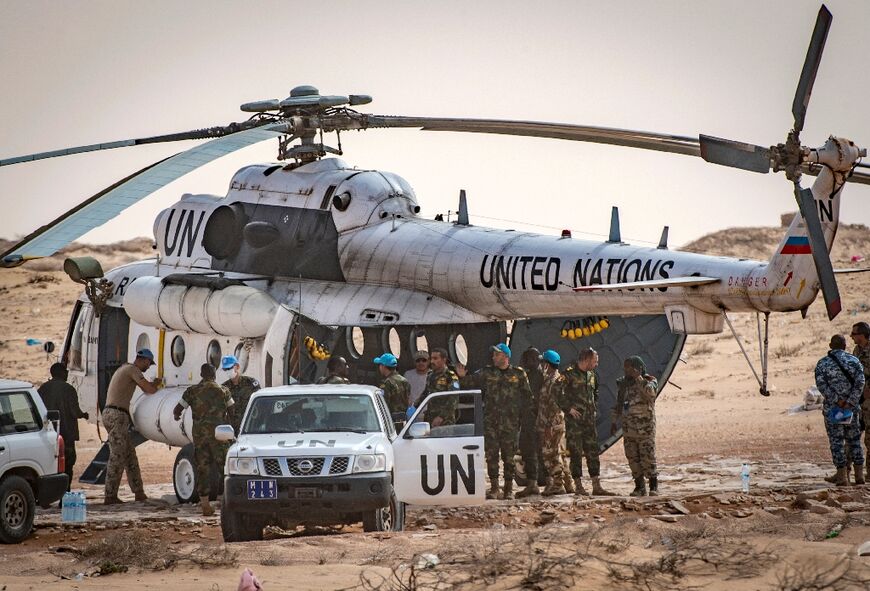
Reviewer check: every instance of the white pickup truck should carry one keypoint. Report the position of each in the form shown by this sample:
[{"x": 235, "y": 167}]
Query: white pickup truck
[
  {"x": 31, "y": 466},
  {"x": 330, "y": 455}
]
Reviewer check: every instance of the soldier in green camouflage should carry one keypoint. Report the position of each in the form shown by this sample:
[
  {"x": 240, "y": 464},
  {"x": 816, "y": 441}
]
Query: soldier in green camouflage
[
  {"x": 503, "y": 386},
  {"x": 530, "y": 447},
  {"x": 240, "y": 387},
  {"x": 210, "y": 405},
  {"x": 635, "y": 407},
  {"x": 444, "y": 410},
  {"x": 550, "y": 423},
  {"x": 336, "y": 371},
  {"x": 397, "y": 390},
  {"x": 861, "y": 335},
  {"x": 580, "y": 403}
]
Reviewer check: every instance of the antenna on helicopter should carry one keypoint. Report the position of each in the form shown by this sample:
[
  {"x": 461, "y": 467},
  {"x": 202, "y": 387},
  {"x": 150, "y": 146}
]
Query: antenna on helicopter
[
  {"x": 615, "y": 234},
  {"x": 663, "y": 241},
  {"x": 462, "y": 214}
]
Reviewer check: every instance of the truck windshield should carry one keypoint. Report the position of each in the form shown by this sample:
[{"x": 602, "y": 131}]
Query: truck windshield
[{"x": 316, "y": 412}]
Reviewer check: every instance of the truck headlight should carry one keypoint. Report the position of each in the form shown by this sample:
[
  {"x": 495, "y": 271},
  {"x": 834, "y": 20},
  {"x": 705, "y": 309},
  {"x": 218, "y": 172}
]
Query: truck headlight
[
  {"x": 370, "y": 463},
  {"x": 242, "y": 466}
]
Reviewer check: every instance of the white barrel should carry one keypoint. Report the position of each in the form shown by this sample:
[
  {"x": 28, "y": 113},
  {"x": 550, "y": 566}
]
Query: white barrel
[
  {"x": 152, "y": 416},
  {"x": 237, "y": 310}
]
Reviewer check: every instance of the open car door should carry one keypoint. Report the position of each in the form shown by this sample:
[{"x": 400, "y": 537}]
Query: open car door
[{"x": 442, "y": 464}]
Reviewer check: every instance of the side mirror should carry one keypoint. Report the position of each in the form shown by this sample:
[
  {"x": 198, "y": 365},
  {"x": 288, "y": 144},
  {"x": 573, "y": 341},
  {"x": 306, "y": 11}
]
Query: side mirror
[
  {"x": 418, "y": 430},
  {"x": 224, "y": 433}
]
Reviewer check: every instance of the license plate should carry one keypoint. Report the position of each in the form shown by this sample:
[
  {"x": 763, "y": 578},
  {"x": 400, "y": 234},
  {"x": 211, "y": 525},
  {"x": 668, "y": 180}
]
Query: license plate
[
  {"x": 307, "y": 493},
  {"x": 262, "y": 489}
]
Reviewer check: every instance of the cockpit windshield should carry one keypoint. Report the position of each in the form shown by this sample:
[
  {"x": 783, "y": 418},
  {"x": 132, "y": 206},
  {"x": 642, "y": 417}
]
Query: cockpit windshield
[{"x": 311, "y": 413}]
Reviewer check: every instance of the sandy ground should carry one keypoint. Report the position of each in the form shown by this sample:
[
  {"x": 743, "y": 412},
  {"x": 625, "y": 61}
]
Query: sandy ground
[{"x": 789, "y": 532}]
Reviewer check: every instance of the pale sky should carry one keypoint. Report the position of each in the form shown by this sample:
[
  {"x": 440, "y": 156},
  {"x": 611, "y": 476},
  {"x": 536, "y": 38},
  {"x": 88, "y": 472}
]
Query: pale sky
[{"x": 82, "y": 72}]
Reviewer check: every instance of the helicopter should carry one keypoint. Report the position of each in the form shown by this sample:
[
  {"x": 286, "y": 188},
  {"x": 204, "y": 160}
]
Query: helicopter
[{"x": 309, "y": 257}]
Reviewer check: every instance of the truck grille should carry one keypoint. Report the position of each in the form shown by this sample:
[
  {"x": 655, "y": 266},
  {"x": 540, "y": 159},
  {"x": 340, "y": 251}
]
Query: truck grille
[{"x": 310, "y": 466}]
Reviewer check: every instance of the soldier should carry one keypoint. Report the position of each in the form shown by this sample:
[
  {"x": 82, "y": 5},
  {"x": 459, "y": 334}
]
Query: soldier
[
  {"x": 444, "y": 410},
  {"x": 530, "y": 447},
  {"x": 417, "y": 377},
  {"x": 635, "y": 407},
  {"x": 336, "y": 371},
  {"x": 840, "y": 379},
  {"x": 396, "y": 388},
  {"x": 240, "y": 387},
  {"x": 116, "y": 418},
  {"x": 503, "y": 386},
  {"x": 861, "y": 335},
  {"x": 550, "y": 423},
  {"x": 209, "y": 406},
  {"x": 58, "y": 395},
  {"x": 580, "y": 403}
]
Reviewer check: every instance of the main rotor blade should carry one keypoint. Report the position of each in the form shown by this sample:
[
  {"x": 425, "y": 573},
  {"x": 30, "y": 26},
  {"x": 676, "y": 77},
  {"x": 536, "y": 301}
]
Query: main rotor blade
[
  {"x": 811, "y": 67},
  {"x": 601, "y": 135},
  {"x": 821, "y": 257},
  {"x": 735, "y": 154},
  {"x": 110, "y": 202},
  {"x": 196, "y": 134}
]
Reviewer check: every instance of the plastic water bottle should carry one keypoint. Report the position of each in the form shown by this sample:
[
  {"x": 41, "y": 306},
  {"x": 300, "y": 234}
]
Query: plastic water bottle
[
  {"x": 410, "y": 412},
  {"x": 66, "y": 507},
  {"x": 81, "y": 507},
  {"x": 744, "y": 476}
]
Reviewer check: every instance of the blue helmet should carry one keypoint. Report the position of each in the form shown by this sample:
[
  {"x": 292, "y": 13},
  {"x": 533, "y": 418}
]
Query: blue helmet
[
  {"x": 551, "y": 357},
  {"x": 841, "y": 416},
  {"x": 502, "y": 348},
  {"x": 228, "y": 361},
  {"x": 387, "y": 360}
]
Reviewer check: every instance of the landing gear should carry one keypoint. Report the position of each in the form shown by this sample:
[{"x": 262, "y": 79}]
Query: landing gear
[
  {"x": 184, "y": 478},
  {"x": 762, "y": 350}
]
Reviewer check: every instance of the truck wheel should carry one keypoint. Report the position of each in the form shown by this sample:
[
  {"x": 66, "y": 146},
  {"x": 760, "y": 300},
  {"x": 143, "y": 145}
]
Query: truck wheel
[
  {"x": 184, "y": 476},
  {"x": 17, "y": 509},
  {"x": 240, "y": 527},
  {"x": 389, "y": 518}
]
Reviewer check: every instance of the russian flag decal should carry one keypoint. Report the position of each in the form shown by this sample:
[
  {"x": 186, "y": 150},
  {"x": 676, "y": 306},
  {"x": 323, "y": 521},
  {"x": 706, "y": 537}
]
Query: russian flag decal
[{"x": 797, "y": 245}]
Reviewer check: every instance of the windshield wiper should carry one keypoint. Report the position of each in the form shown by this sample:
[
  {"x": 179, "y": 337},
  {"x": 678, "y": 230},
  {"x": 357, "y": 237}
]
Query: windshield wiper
[{"x": 342, "y": 430}]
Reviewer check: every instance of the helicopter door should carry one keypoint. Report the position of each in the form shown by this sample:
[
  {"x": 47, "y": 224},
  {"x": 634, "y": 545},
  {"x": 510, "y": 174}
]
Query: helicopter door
[
  {"x": 111, "y": 348},
  {"x": 442, "y": 465}
]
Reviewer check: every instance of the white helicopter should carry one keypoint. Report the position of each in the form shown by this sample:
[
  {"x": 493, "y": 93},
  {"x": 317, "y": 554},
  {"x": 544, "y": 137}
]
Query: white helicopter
[{"x": 310, "y": 257}]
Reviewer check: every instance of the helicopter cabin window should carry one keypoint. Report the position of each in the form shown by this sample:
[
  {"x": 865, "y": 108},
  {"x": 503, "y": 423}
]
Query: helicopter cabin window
[
  {"x": 177, "y": 351},
  {"x": 214, "y": 354},
  {"x": 76, "y": 354},
  {"x": 242, "y": 352}
]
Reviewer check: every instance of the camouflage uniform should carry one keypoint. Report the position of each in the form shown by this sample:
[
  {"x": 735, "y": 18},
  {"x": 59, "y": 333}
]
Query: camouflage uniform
[
  {"x": 635, "y": 407},
  {"x": 446, "y": 407},
  {"x": 530, "y": 446},
  {"x": 863, "y": 355},
  {"x": 835, "y": 388},
  {"x": 581, "y": 393},
  {"x": 241, "y": 394},
  {"x": 551, "y": 425},
  {"x": 122, "y": 453},
  {"x": 397, "y": 392},
  {"x": 208, "y": 403},
  {"x": 503, "y": 389}
]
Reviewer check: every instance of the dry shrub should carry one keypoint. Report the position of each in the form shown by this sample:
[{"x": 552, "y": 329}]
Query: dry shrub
[
  {"x": 119, "y": 550},
  {"x": 785, "y": 350},
  {"x": 42, "y": 278},
  {"x": 702, "y": 348},
  {"x": 812, "y": 576}
]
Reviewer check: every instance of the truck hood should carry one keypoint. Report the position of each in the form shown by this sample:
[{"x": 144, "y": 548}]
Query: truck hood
[{"x": 310, "y": 443}]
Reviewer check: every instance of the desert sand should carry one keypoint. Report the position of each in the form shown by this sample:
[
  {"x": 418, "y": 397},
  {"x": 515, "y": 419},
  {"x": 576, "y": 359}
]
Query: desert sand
[{"x": 792, "y": 531}]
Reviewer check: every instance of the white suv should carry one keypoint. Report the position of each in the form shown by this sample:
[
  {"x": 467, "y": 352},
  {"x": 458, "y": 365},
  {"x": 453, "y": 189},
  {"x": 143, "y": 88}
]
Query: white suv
[
  {"x": 329, "y": 455},
  {"x": 31, "y": 470}
]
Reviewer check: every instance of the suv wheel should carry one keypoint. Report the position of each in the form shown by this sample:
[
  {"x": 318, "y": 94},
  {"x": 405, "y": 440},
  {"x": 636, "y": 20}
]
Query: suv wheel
[
  {"x": 240, "y": 527},
  {"x": 389, "y": 518},
  {"x": 17, "y": 509}
]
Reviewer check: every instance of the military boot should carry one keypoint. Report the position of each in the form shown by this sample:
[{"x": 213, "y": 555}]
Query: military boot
[
  {"x": 653, "y": 486},
  {"x": 568, "y": 482},
  {"x": 841, "y": 479},
  {"x": 493, "y": 491},
  {"x": 112, "y": 500},
  {"x": 508, "y": 492},
  {"x": 207, "y": 509},
  {"x": 859, "y": 474},
  {"x": 598, "y": 490},
  {"x": 531, "y": 489},
  {"x": 639, "y": 488},
  {"x": 578, "y": 487},
  {"x": 554, "y": 487}
]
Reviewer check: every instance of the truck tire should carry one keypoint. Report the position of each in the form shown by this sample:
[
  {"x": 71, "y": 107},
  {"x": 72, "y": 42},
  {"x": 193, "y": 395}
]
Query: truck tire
[
  {"x": 240, "y": 527},
  {"x": 17, "y": 509},
  {"x": 184, "y": 478},
  {"x": 389, "y": 518}
]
